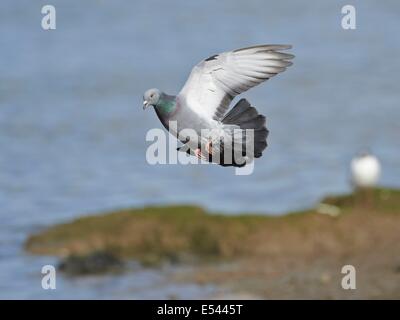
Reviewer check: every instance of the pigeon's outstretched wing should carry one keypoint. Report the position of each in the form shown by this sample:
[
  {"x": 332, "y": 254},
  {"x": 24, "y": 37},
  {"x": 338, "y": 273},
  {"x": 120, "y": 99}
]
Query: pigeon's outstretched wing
[{"x": 215, "y": 81}]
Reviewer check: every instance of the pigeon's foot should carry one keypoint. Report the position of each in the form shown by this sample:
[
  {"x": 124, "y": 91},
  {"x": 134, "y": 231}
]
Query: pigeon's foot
[
  {"x": 209, "y": 147},
  {"x": 198, "y": 154}
]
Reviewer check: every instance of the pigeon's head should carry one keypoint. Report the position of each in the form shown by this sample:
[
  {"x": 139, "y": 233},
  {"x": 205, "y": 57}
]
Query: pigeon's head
[{"x": 151, "y": 98}]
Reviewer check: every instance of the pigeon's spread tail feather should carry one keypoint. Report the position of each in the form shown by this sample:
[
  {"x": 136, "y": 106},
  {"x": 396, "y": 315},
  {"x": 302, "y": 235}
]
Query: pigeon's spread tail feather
[{"x": 246, "y": 117}]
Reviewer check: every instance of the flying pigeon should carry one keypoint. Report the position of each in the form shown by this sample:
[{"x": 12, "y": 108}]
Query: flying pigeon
[{"x": 232, "y": 138}]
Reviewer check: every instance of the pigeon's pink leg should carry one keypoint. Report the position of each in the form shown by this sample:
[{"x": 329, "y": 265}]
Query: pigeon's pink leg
[
  {"x": 209, "y": 147},
  {"x": 197, "y": 152}
]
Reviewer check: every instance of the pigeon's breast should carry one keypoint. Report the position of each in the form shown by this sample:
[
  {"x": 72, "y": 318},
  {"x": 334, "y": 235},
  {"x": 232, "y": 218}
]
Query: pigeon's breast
[{"x": 188, "y": 123}]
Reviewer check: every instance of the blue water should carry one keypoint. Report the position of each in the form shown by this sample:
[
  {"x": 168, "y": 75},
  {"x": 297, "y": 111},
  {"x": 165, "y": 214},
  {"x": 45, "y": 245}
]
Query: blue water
[{"x": 72, "y": 131}]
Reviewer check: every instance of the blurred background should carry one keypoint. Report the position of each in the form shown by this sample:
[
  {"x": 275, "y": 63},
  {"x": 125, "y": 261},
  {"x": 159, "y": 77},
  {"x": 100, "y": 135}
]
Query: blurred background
[{"x": 72, "y": 128}]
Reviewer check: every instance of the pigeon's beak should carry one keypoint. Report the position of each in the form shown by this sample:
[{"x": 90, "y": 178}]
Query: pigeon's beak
[{"x": 145, "y": 104}]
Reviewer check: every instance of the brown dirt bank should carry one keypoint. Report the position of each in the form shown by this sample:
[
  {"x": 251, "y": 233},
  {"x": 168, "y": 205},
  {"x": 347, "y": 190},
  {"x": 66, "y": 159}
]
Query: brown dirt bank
[{"x": 298, "y": 255}]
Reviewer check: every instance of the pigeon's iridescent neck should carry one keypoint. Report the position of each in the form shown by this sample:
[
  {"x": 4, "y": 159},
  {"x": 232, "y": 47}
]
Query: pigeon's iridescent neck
[{"x": 166, "y": 104}]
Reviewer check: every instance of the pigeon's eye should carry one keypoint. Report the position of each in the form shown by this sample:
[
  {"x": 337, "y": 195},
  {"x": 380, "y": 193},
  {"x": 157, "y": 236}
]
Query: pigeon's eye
[{"x": 152, "y": 95}]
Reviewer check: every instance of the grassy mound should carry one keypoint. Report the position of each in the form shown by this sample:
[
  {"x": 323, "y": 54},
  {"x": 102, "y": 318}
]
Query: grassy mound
[{"x": 175, "y": 233}]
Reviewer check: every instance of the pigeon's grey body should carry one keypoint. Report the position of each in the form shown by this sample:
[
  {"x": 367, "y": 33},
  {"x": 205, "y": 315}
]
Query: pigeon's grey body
[
  {"x": 182, "y": 115},
  {"x": 207, "y": 94}
]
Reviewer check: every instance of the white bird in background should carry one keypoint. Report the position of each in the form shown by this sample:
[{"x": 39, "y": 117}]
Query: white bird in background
[{"x": 365, "y": 171}]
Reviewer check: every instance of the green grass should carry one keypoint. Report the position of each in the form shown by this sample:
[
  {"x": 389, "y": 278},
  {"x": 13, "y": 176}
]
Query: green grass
[
  {"x": 147, "y": 234},
  {"x": 174, "y": 233},
  {"x": 380, "y": 199}
]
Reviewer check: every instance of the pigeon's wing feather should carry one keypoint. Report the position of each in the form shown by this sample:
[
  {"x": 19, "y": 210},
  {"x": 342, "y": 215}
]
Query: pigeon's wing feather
[{"x": 215, "y": 81}]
